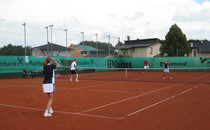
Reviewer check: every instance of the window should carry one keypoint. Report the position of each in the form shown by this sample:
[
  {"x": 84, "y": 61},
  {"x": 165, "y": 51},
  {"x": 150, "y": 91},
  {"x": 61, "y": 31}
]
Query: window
[
  {"x": 133, "y": 49},
  {"x": 151, "y": 50},
  {"x": 83, "y": 52},
  {"x": 194, "y": 52}
]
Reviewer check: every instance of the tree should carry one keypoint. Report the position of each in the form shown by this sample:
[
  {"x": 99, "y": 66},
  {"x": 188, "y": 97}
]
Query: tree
[
  {"x": 11, "y": 50},
  {"x": 175, "y": 43},
  {"x": 119, "y": 43},
  {"x": 198, "y": 41}
]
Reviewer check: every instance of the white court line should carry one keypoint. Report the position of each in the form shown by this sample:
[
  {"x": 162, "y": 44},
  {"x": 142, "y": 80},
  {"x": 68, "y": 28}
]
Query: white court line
[
  {"x": 109, "y": 91},
  {"x": 8, "y": 86},
  {"x": 95, "y": 90},
  {"x": 164, "y": 100},
  {"x": 126, "y": 99},
  {"x": 107, "y": 117},
  {"x": 199, "y": 77},
  {"x": 102, "y": 84},
  {"x": 64, "y": 112},
  {"x": 75, "y": 88},
  {"x": 135, "y": 96}
]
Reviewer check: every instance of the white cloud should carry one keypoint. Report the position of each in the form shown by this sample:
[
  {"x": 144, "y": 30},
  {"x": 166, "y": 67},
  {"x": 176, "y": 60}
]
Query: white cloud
[{"x": 118, "y": 18}]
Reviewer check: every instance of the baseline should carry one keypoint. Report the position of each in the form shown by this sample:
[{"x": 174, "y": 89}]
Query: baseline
[{"x": 57, "y": 111}]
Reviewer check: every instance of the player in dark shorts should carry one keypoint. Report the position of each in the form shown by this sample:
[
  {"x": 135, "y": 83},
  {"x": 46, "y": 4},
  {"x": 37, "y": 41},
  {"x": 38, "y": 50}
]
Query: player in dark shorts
[{"x": 73, "y": 69}]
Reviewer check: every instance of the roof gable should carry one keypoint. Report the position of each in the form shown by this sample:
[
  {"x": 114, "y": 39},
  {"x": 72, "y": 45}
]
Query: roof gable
[
  {"x": 143, "y": 41},
  {"x": 202, "y": 47},
  {"x": 139, "y": 43}
]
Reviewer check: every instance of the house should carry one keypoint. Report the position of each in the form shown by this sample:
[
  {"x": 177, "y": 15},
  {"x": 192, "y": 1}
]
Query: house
[
  {"x": 81, "y": 50},
  {"x": 200, "y": 49},
  {"x": 140, "y": 47},
  {"x": 52, "y": 50}
]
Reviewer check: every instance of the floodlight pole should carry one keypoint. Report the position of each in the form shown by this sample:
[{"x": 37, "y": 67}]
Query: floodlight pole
[
  {"x": 26, "y": 58},
  {"x": 51, "y": 39},
  {"x": 24, "y": 24},
  {"x": 66, "y": 42},
  {"x": 109, "y": 44},
  {"x": 47, "y": 42},
  {"x": 83, "y": 37},
  {"x": 97, "y": 43}
]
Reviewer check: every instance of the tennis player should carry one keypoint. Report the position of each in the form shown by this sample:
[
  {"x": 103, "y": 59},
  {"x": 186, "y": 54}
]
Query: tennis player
[
  {"x": 49, "y": 83},
  {"x": 146, "y": 65},
  {"x": 74, "y": 71},
  {"x": 166, "y": 70}
]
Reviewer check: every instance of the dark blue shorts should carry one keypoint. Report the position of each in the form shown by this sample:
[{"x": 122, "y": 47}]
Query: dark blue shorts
[{"x": 73, "y": 72}]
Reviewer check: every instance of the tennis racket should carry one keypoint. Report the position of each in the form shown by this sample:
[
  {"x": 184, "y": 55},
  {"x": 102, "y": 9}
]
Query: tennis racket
[
  {"x": 57, "y": 75},
  {"x": 79, "y": 69},
  {"x": 164, "y": 55}
]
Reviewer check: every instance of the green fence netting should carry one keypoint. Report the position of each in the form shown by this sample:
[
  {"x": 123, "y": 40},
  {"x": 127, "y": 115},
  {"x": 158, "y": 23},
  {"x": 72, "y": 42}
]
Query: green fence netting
[{"x": 16, "y": 64}]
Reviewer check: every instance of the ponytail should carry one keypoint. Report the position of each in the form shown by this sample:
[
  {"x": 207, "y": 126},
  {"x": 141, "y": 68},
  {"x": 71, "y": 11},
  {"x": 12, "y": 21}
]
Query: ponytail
[{"x": 46, "y": 61}]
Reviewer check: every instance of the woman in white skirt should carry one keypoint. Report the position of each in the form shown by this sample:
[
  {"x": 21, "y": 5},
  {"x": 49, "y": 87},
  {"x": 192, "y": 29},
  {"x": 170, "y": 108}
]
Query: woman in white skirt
[
  {"x": 166, "y": 70},
  {"x": 49, "y": 82}
]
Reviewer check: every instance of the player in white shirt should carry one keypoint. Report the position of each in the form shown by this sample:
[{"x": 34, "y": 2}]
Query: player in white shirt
[{"x": 73, "y": 69}]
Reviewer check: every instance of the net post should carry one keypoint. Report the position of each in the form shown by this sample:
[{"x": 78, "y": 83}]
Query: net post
[{"x": 126, "y": 74}]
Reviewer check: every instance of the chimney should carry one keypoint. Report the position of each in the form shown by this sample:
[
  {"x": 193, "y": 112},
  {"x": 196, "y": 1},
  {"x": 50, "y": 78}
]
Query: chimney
[
  {"x": 191, "y": 44},
  {"x": 128, "y": 38}
]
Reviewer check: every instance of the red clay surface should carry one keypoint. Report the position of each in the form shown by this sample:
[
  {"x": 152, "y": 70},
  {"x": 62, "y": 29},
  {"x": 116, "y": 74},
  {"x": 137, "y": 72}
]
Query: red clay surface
[{"x": 143, "y": 102}]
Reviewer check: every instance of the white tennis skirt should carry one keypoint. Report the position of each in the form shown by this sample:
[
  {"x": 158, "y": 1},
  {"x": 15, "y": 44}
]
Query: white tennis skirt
[
  {"x": 146, "y": 67},
  {"x": 48, "y": 88},
  {"x": 166, "y": 69}
]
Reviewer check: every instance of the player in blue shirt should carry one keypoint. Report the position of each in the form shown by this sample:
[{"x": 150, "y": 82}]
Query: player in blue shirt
[{"x": 49, "y": 82}]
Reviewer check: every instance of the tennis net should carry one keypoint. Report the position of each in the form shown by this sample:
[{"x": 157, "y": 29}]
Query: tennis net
[{"x": 179, "y": 75}]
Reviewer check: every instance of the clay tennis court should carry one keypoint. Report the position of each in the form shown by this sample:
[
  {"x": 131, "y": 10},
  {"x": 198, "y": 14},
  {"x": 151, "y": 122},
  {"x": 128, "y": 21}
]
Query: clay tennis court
[{"x": 144, "y": 101}]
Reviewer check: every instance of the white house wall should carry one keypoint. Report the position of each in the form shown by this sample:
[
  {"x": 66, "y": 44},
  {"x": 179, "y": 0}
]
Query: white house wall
[
  {"x": 142, "y": 51},
  {"x": 39, "y": 53},
  {"x": 155, "y": 48}
]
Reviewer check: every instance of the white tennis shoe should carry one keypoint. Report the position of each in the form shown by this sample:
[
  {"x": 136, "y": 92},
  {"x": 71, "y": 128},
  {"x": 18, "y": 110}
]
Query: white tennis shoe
[
  {"x": 47, "y": 114},
  {"x": 77, "y": 80},
  {"x": 70, "y": 80},
  {"x": 51, "y": 111}
]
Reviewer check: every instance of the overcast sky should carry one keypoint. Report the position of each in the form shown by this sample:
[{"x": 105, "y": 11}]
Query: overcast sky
[{"x": 118, "y": 18}]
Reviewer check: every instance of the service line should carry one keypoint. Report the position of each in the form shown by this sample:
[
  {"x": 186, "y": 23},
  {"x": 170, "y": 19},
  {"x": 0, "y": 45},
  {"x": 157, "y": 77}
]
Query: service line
[
  {"x": 130, "y": 98},
  {"x": 162, "y": 101}
]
